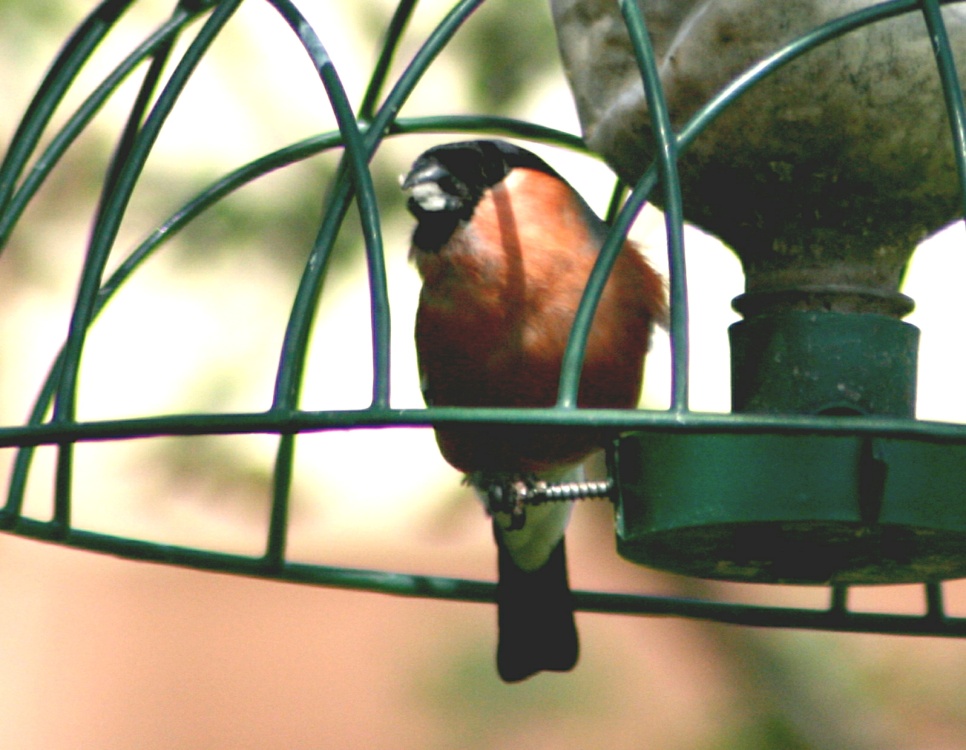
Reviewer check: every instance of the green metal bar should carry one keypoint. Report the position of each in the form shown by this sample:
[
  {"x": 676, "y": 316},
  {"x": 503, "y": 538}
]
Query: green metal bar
[
  {"x": 952, "y": 89},
  {"x": 160, "y": 39},
  {"x": 306, "y": 300},
  {"x": 616, "y": 201},
  {"x": 935, "y": 608},
  {"x": 64, "y": 69},
  {"x": 839, "y": 599},
  {"x": 381, "y": 122},
  {"x": 102, "y": 240},
  {"x": 290, "y": 423},
  {"x": 135, "y": 118},
  {"x": 377, "y": 81},
  {"x": 276, "y": 539},
  {"x": 770, "y": 616},
  {"x": 673, "y": 209},
  {"x": 292, "y": 360},
  {"x": 358, "y": 160},
  {"x": 295, "y": 343},
  {"x": 491, "y": 124},
  {"x": 297, "y": 335},
  {"x": 437, "y": 587},
  {"x": 46, "y": 162},
  {"x": 413, "y": 72},
  {"x": 106, "y": 230},
  {"x": 380, "y": 321},
  {"x": 573, "y": 359}
]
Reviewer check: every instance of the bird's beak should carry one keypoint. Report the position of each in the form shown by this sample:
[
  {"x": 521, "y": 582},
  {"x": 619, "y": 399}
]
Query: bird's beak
[
  {"x": 423, "y": 171},
  {"x": 429, "y": 185}
]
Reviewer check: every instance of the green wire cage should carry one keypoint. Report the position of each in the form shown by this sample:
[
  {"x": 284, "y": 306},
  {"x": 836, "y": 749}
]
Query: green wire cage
[{"x": 793, "y": 486}]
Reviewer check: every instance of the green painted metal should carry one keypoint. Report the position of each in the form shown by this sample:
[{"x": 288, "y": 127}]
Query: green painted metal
[
  {"x": 793, "y": 508},
  {"x": 824, "y": 363},
  {"x": 881, "y": 482}
]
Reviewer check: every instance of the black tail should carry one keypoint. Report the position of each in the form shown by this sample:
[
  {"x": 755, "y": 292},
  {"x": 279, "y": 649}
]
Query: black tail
[{"x": 535, "y": 611}]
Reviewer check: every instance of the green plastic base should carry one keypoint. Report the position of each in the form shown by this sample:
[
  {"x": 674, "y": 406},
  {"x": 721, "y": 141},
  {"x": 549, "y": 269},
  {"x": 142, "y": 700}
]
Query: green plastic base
[
  {"x": 811, "y": 509},
  {"x": 824, "y": 363}
]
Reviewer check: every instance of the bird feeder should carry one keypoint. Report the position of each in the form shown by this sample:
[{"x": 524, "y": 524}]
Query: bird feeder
[
  {"x": 831, "y": 161},
  {"x": 815, "y": 142}
]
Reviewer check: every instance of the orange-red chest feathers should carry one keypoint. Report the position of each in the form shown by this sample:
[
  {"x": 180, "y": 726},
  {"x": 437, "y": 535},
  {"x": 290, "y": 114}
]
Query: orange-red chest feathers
[{"x": 495, "y": 313}]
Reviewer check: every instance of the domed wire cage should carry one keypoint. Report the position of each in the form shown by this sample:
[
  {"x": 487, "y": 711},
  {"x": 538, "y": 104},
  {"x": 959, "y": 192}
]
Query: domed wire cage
[{"x": 53, "y": 420}]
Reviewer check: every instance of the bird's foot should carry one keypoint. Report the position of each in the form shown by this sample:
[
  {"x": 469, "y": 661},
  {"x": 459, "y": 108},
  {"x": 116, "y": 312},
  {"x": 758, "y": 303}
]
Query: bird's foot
[{"x": 510, "y": 494}]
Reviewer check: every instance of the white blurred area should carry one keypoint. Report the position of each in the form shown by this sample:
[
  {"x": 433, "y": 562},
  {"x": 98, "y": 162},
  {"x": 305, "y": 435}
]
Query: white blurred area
[{"x": 933, "y": 282}]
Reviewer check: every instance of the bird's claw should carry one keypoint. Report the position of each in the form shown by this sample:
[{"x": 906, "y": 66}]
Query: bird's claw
[{"x": 512, "y": 495}]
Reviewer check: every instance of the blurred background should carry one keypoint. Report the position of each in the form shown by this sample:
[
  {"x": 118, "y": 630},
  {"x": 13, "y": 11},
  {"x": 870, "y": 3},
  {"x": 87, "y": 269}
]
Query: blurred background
[{"x": 98, "y": 652}]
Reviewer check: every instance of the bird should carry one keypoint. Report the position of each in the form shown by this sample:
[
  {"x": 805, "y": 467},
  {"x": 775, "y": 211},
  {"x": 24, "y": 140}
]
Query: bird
[{"x": 504, "y": 246}]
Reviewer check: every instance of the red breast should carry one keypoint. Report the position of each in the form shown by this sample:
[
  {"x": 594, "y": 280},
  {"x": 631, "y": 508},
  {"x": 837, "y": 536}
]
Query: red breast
[{"x": 496, "y": 310}]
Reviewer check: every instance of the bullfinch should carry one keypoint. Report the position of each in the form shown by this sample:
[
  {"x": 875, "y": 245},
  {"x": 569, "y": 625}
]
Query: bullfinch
[{"x": 504, "y": 247}]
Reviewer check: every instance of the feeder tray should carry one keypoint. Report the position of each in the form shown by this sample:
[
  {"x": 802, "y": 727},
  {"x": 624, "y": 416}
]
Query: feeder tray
[
  {"x": 812, "y": 509},
  {"x": 801, "y": 508}
]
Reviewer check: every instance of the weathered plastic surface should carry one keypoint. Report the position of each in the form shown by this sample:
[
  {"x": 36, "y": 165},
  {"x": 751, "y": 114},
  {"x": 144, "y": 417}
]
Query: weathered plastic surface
[
  {"x": 824, "y": 363},
  {"x": 824, "y": 175}
]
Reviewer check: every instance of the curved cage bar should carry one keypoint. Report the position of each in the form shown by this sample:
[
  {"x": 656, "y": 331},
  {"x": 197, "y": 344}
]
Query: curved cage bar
[{"x": 53, "y": 419}]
